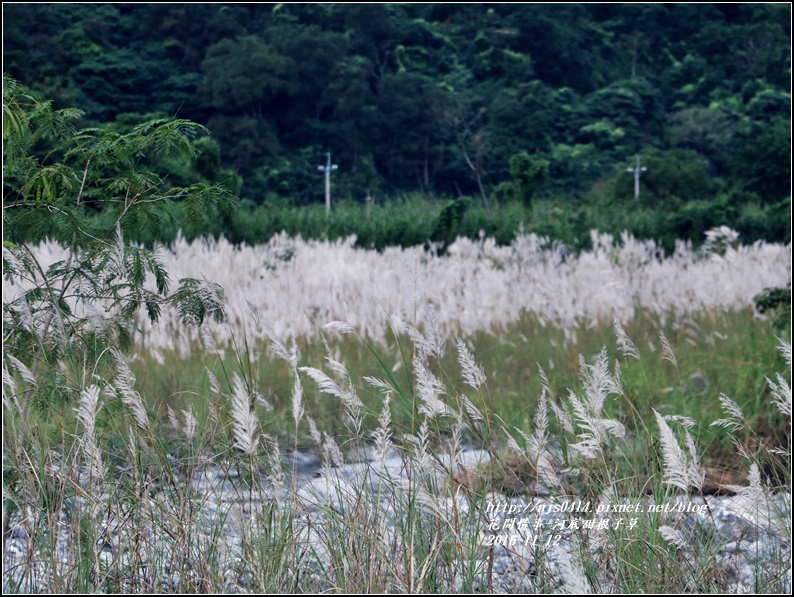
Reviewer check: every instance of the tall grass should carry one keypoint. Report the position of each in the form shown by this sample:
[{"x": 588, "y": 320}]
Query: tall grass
[
  {"x": 122, "y": 508},
  {"x": 415, "y": 450}
]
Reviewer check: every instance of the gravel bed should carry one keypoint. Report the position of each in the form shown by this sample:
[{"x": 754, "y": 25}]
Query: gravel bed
[{"x": 529, "y": 543}]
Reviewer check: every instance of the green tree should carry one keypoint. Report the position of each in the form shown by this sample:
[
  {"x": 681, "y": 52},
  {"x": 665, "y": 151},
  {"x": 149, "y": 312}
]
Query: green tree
[
  {"x": 673, "y": 177},
  {"x": 89, "y": 192},
  {"x": 529, "y": 174}
]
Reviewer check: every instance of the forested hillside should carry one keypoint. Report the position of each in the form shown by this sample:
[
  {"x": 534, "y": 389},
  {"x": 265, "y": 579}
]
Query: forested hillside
[{"x": 506, "y": 104}]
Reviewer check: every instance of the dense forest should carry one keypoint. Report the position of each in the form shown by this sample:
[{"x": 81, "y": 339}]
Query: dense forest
[{"x": 503, "y": 104}]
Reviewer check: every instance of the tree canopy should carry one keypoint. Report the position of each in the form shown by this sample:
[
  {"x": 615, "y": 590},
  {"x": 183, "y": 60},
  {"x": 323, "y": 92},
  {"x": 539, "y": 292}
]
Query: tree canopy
[{"x": 435, "y": 98}]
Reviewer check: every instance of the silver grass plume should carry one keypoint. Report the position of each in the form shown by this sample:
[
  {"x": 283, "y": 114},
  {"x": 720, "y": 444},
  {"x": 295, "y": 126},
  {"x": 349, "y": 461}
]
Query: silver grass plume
[
  {"x": 597, "y": 381},
  {"x": 172, "y": 418},
  {"x": 544, "y": 380},
  {"x": 297, "y": 399},
  {"x": 455, "y": 443},
  {"x": 433, "y": 334},
  {"x": 86, "y": 414},
  {"x": 11, "y": 385},
  {"x": 341, "y": 327},
  {"x": 330, "y": 448},
  {"x": 471, "y": 410},
  {"x": 473, "y": 374},
  {"x": 599, "y": 539},
  {"x": 681, "y": 470},
  {"x": 276, "y": 476},
  {"x": 595, "y": 430},
  {"x": 667, "y": 351},
  {"x": 781, "y": 391},
  {"x": 429, "y": 388},
  {"x": 753, "y": 502},
  {"x": 511, "y": 442},
  {"x": 536, "y": 449},
  {"x": 123, "y": 387},
  {"x": 736, "y": 419},
  {"x": 24, "y": 372},
  {"x": 215, "y": 387},
  {"x": 190, "y": 423},
  {"x": 617, "y": 379},
  {"x": 563, "y": 417},
  {"x": 262, "y": 401},
  {"x": 674, "y": 537},
  {"x": 785, "y": 349},
  {"x": 382, "y": 434},
  {"x": 377, "y": 382},
  {"x": 347, "y": 395},
  {"x": 245, "y": 419},
  {"x": 117, "y": 264},
  {"x": 431, "y": 342},
  {"x": 625, "y": 344},
  {"x": 781, "y": 394},
  {"x": 209, "y": 341},
  {"x": 424, "y": 445},
  {"x": 276, "y": 346},
  {"x": 313, "y": 431}
]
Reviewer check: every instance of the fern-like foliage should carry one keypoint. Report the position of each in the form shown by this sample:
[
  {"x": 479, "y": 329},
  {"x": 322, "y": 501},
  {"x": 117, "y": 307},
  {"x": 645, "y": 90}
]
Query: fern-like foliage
[{"x": 88, "y": 190}]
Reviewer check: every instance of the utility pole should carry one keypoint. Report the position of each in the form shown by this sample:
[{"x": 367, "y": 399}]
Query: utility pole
[
  {"x": 327, "y": 169},
  {"x": 637, "y": 171}
]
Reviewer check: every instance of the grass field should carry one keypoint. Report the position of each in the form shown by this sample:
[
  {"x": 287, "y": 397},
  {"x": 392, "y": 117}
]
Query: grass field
[{"x": 604, "y": 384}]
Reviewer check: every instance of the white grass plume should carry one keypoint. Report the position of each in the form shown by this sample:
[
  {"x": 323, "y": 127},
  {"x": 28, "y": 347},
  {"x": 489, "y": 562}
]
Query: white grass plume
[
  {"x": 625, "y": 344},
  {"x": 86, "y": 414},
  {"x": 617, "y": 379},
  {"x": 753, "y": 502},
  {"x": 276, "y": 475},
  {"x": 377, "y": 382},
  {"x": 297, "y": 399},
  {"x": 123, "y": 387},
  {"x": 473, "y": 374},
  {"x": 781, "y": 394},
  {"x": 382, "y": 434},
  {"x": 347, "y": 395},
  {"x": 431, "y": 342},
  {"x": 674, "y": 537},
  {"x": 595, "y": 429},
  {"x": 433, "y": 333},
  {"x": 562, "y": 417},
  {"x": 11, "y": 385},
  {"x": 681, "y": 470},
  {"x": 215, "y": 387},
  {"x": 536, "y": 446},
  {"x": 781, "y": 391},
  {"x": 262, "y": 401},
  {"x": 429, "y": 389},
  {"x": 191, "y": 423},
  {"x": 313, "y": 431},
  {"x": 785, "y": 349},
  {"x": 278, "y": 348},
  {"x": 667, "y": 351},
  {"x": 339, "y": 326},
  {"x": 331, "y": 449},
  {"x": 24, "y": 372},
  {"x": 736, "y": 419},
  {"x": 245, "y": 419},
  {"x": 473, "y": 412},
  {"x": 597, "y": 381},
  {"x": 172, "y": 418}
]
